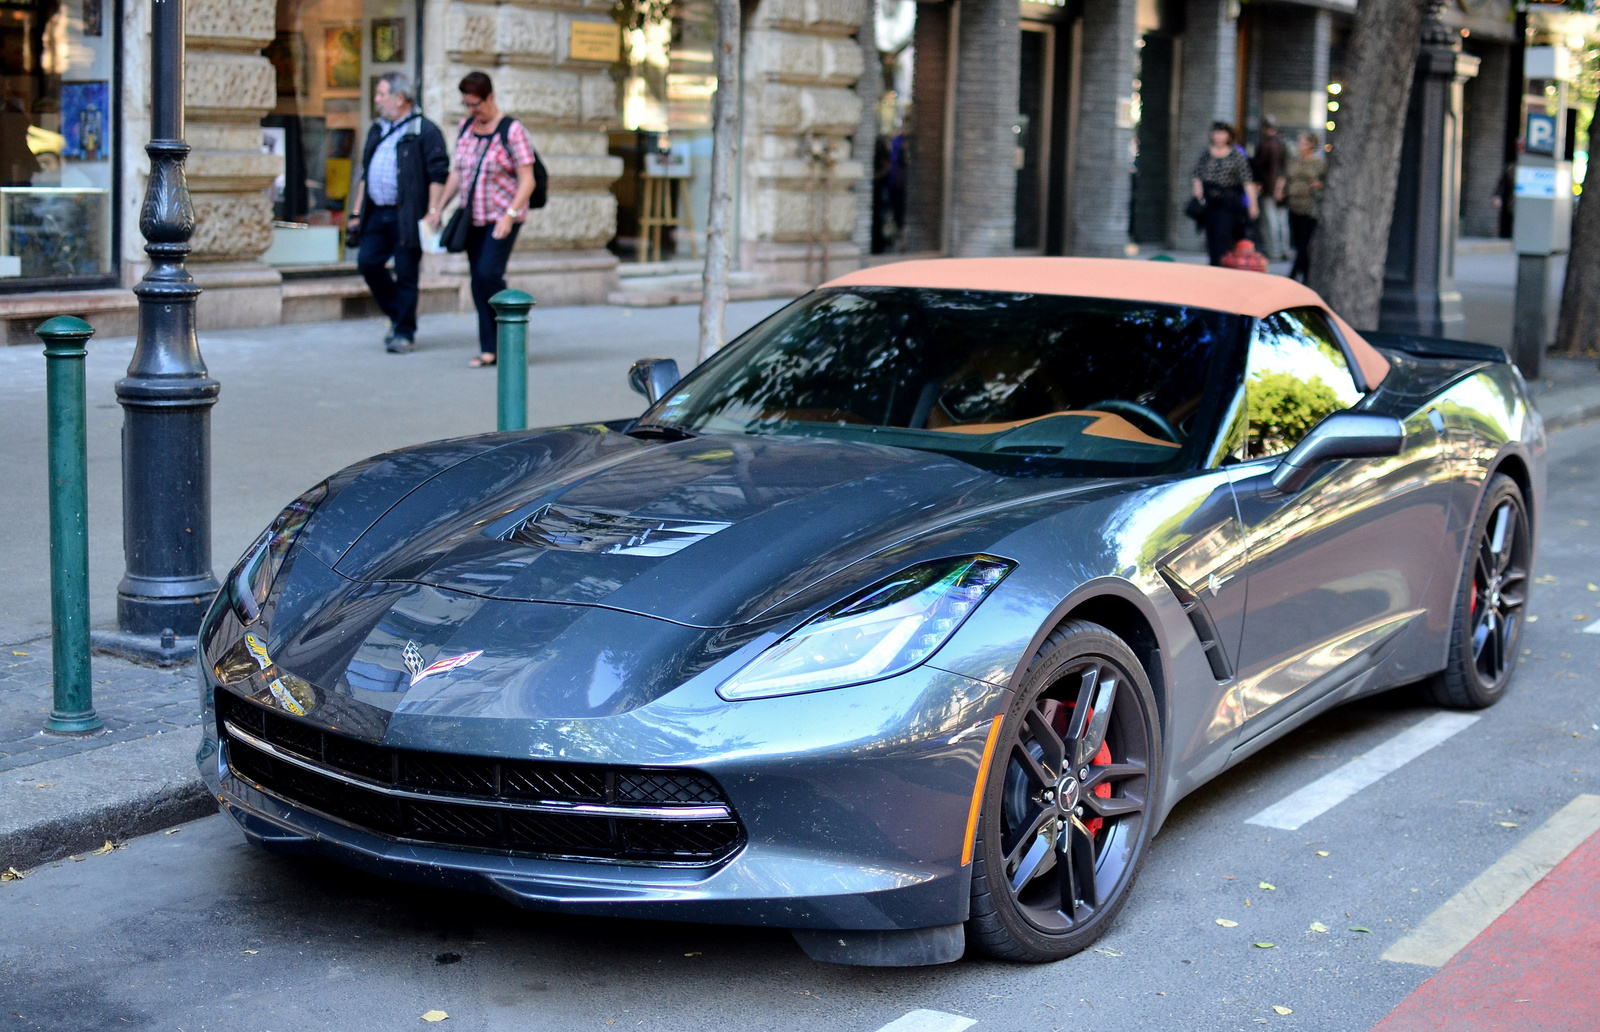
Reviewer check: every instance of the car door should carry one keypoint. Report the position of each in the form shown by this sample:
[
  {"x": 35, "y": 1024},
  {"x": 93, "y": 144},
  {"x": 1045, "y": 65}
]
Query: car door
[{"x": 1338, "y": 570}]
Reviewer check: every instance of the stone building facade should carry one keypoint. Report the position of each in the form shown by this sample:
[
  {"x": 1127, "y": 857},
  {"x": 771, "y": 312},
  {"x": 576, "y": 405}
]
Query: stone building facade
[{"x": 1126, "y": 90}]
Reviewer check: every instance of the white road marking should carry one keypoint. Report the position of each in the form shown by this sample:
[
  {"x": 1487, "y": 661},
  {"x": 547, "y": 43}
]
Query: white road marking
[
  {"x": 1323, "y": 794},
  {"x": 1466, "y": 914},
  {"x": 1593, "y": 628},
  {"x": 928, "y": 1021}
]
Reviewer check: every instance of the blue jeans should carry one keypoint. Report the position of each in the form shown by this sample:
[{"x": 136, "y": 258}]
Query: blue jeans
[
  {"x": 487, "y": 258},
  {"x": 396, "y": 294}
]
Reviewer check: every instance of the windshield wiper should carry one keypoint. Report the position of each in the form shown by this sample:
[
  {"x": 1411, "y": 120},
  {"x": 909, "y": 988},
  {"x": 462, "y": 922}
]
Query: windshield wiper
[{"x": 662, "y": 431}]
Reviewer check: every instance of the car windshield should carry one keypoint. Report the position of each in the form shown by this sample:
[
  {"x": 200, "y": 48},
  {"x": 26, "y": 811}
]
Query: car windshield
[{"x": 1011, "y": 382}]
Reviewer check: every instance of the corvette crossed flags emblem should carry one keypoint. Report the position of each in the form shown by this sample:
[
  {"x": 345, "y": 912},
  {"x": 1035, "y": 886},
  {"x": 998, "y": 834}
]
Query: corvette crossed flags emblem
[{"x": 413, "y": 660}]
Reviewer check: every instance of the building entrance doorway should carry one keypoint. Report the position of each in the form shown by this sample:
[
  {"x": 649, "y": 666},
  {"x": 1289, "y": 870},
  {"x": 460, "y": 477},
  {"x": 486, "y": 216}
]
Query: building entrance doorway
[{"x": 1034, "y": 130}]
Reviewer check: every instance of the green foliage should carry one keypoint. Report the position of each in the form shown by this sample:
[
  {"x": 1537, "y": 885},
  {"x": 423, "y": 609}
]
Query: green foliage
[{"x": 1283, "y": 407}]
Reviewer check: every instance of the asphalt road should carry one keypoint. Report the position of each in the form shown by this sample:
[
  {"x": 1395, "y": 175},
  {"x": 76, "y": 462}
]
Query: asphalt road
[{"x": 195, "y": 930}]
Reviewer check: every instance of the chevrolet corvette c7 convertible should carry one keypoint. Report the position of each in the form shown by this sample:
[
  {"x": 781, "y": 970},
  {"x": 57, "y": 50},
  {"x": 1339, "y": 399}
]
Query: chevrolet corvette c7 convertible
[{"x": 901, "y": 623}]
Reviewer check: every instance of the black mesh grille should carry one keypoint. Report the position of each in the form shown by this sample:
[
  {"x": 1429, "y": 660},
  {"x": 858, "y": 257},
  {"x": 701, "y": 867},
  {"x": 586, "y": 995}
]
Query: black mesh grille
[{"x": 456, "y": 821}]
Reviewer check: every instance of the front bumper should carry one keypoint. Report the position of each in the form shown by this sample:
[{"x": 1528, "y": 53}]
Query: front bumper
[{"x": 854, "y": 804}]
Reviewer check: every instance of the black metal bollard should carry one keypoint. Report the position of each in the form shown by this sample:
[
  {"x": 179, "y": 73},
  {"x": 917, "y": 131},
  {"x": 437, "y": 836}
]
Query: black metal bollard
[{"x": 65, "y": 340}]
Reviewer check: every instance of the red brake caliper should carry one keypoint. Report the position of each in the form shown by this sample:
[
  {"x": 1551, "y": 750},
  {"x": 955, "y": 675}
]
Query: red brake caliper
[{"x": 1101, "y": 758}]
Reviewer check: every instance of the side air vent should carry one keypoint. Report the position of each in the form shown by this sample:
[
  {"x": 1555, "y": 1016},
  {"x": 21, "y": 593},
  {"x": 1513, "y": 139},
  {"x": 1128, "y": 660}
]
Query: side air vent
[
  {"x": 1204, "y": 629},
  {"x": 574, "y": 528}
]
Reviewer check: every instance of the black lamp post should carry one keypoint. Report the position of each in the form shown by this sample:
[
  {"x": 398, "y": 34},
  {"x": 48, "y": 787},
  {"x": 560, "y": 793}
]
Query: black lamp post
[{"x": 166, "y": 396}]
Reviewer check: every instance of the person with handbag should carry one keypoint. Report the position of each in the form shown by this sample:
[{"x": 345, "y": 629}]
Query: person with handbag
[
  {"x": 495, "y": 157},
  {"x": 1224, "y": 183},
  {"x": 403, "y": 171}
]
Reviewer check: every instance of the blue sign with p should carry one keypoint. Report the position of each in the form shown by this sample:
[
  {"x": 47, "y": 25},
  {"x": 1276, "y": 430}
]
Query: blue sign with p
[{"x": 1540, "y": 137}]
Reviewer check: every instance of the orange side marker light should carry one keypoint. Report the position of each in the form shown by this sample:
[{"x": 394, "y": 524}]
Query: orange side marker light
[{"x": 977, "y": 790}]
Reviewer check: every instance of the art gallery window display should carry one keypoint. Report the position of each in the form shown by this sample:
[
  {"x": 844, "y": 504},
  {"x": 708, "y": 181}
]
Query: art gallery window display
[
  {"x": 56, "y": 144},
  {"x": 328, "y": 56}
]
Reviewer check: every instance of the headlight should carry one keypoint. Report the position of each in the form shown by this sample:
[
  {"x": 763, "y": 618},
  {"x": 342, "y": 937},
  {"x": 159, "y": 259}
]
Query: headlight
[
  {"x": 882, "y": 631},
  {"x": 251, "y": 578}
]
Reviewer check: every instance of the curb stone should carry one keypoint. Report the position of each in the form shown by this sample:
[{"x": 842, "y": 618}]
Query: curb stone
[{"x": 59, "y": 807}]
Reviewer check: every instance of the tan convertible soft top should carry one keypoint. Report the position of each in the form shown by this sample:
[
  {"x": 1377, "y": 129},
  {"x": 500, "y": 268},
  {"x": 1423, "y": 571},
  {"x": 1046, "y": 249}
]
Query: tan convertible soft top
[{"x": 1171, "y": 283}]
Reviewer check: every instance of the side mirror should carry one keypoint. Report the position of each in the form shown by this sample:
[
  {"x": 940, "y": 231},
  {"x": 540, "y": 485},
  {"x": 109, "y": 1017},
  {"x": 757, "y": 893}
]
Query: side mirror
[
  {"x": 1343, "y": 435},
  {"x": 653, "y": 377}
]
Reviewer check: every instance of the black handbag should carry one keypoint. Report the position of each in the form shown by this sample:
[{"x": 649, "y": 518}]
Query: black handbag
[
  {"x": 1196, "y": 210},
  {"x": 453, "y": 237}
]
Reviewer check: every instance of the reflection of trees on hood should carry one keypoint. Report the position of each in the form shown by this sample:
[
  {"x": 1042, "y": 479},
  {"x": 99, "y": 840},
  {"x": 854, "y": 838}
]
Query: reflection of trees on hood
[{"x": 1284, "y": 407}]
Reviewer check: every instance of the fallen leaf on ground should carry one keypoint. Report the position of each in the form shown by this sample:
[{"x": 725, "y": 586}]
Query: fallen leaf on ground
[
  {"x": 692, "y": 953},
  {"x": 1318, "y": 926},
  {"x": 1266, "y": 945},
  {"x": 1360, "y": 928},
  {"x": 1545, "y": 579},
  {"x": 1322, "y": 852},
  {"x": 1224, "y": 922},
  {"x": 14, "y": 652},
  {"x": 249, "y": 953},
  {"x": 11, "y": 874},
  {"x": 1268, "y": 886},
  {"x": 44, "y": 784},
  {"x": 1281, "y": 1009},
  {"x": 1581, "y": 617},
  {"x": 1108, "y": 951},
  {"x": 108, "y": 847},
  {"x": 1230, "y": 877},
  {"x": 77, "y": 859},
  {"x": 434, "y": 1015},
  {"x": 1506, "y": 824},
  {"x": 172, "y": 831},
  {"x": 1247, "y": 902}
]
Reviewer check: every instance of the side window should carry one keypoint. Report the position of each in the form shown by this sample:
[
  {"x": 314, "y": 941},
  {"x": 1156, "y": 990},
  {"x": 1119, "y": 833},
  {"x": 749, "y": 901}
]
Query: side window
[{"x": 1296, "y": 376}]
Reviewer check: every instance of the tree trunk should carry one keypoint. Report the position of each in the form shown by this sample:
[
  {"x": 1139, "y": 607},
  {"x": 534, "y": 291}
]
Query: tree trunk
[
  {"x": 724, "y": 161},
  {"x": 1352, "y": 240},
  {"x": 1578, "y": 330}
]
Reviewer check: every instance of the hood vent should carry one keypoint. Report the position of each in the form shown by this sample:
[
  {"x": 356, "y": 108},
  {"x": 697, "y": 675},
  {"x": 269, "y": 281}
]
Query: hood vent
[{"x": 575, "y": 528}]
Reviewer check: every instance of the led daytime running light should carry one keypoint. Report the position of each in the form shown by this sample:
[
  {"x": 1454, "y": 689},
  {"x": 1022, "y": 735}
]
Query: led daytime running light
[{"x": 887, "y": 629}]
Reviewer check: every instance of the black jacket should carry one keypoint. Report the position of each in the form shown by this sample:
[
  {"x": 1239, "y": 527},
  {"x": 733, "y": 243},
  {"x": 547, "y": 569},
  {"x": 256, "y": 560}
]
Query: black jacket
[{"x": 420, "y": 158}]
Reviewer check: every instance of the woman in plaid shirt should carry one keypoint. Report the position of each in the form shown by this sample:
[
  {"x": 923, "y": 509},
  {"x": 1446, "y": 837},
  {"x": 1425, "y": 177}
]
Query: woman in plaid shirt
[{"x": 494, "y": 156}]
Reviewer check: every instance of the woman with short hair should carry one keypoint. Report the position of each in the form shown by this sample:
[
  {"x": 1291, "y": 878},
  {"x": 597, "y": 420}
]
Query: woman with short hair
[
  {"x": 1224, "y": 181},
  {"x": 495, "y": 157}
]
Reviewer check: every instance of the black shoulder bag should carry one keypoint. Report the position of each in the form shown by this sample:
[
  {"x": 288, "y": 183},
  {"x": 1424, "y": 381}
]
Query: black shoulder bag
[{"x": 453, "y": 237}]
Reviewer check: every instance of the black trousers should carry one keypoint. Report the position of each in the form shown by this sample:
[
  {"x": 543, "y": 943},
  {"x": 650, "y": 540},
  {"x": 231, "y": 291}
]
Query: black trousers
[
  {"x": 396, "y": 294},
  {"x": 1301, "y": 229},
  {"x": 487, "y": 258},
  {"x": 1225, "y": 219}
]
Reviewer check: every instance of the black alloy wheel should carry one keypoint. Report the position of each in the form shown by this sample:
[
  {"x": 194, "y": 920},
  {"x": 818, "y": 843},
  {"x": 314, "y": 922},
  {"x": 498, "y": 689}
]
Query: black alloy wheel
[
  {"x": 1490, "y": 602},
  {"x": 1068, "y": 807}
]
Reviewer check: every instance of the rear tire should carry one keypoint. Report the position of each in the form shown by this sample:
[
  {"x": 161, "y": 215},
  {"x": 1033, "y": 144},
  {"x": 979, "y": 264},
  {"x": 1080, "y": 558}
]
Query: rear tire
[
  {"x": 1491, "y": 599},
  {"x": 1056, "y": 851}
]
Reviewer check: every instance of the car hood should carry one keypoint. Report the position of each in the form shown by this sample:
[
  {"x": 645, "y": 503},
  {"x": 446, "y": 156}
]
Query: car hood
[{"x": 712, "y": 531}]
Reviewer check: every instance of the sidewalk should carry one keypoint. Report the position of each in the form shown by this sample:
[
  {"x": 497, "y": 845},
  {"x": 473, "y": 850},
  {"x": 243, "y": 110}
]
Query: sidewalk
[{"x": 297, "y": 403}]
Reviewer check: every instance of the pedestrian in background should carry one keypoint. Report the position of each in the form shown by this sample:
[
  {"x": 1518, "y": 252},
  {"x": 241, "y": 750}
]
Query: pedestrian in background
[
  {"x": 495, "y": 156},
  {"x": 1269, "y": 164},
  {"x": 1224, "y": 182},
  {"x": 403, "y": 170},
  {"x": 1303, "y": 191}
]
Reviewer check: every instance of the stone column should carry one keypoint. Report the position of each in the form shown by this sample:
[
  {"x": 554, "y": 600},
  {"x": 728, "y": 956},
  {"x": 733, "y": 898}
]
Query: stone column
[
  {"x": 925, "y": 129},
  {"x": 1484, "y": 156},
  {"x": 1207, "y": 94},
  {"x": 797, "y": 199},
  {"x": 865, "y": 141},
  {"x": 228, "y": 87},
  {"x": 983, "y": 194},
  {"x": 1419, "y": 279},
  {"x": 1102, "y": 183},
  {"x": 566, "y": 105}
]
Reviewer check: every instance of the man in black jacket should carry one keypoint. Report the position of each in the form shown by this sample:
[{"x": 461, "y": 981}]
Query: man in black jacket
[{"x": 403, "y": 170}]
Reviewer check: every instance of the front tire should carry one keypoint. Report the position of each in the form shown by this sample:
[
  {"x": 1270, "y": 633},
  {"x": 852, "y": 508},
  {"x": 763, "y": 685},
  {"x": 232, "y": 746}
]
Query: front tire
[
  {"x": 1069, "y": 805},
  {"x": 1490, "y": 601}
]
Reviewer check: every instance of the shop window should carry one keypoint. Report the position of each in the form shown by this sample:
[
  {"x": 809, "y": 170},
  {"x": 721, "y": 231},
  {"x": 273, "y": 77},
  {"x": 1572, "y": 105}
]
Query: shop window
[
  {"x": 664, "y": 195},
  {"x": 56, "y": 141},
  {"x": 328, "y": 56}
]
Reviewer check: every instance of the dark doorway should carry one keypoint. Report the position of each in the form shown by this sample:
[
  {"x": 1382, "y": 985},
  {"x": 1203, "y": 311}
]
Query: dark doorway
[{"x": 1033, "y": 133}]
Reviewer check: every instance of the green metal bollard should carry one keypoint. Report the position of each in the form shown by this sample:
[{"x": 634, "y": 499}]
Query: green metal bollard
[
  {"x": 65, "y": 348},
  {"x": 511, "y": 334}
]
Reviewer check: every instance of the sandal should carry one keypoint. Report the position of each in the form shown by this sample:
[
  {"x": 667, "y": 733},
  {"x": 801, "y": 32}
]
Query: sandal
[{"x": 483, "y": 361}]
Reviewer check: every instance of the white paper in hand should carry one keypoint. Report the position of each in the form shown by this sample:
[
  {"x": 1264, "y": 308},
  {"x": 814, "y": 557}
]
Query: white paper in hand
[{"x": 429, "y": 237}]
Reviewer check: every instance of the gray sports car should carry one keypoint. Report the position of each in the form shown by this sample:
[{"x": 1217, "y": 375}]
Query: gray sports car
[{"x": 901, "y": 623}]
